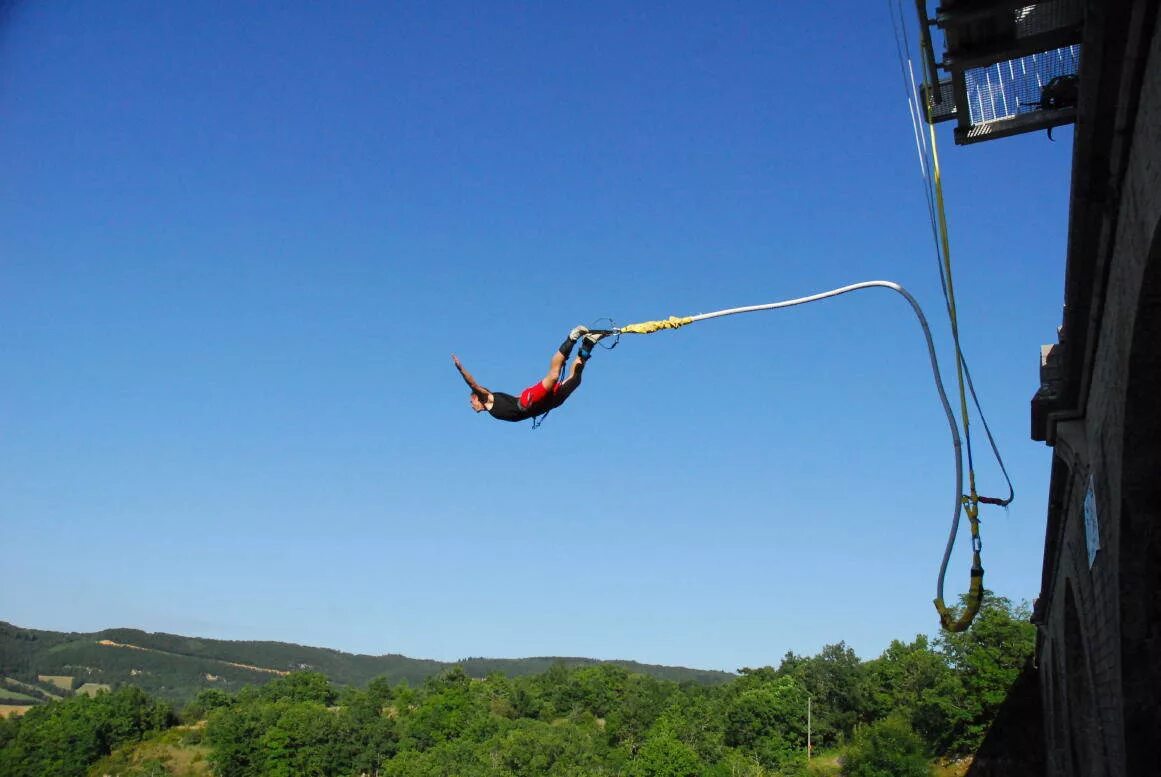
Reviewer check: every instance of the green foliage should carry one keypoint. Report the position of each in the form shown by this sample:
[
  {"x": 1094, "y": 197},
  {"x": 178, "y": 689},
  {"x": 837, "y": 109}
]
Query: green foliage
[
  {"x": 305, "y": 739},
  {"x": 449, "y": 759},
  {"x": 447, "y": 710},
  {"x": 162, "y": 753},
  {"x": 886, "y": 748},
  {"x": 986, "y": 659},
  {"x": 664, "y": 756},
  {"x": 151, "y": 768},
  {"x": 300, "y": 687},
  {"x": 234, "y": 733},
  {"x": 177, "y": 668},
  {"x": 29, "y": 691},
  {"x": 838, "y": 684},
  {"x": 640, "y": 701},
  {"x": 594, "y": 689},
  {"x": 767, "y": 721},
  {"x": 918, "y": 682},
  {"x": 62, "y": 738},
  {"x": 950, "y": 691},
  {"x": 824, "y": 763},
  {"x": 695, "y": 718},
  {"x": 533, "y": 748},
  {"x": 206, "y": 702},
  {"x": 916, "y": 699}
]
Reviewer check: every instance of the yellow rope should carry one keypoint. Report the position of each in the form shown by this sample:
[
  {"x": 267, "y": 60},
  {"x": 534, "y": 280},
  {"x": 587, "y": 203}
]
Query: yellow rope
[
  {"x": 971, "y": 500},
  {"x": 946, "y": 244}
]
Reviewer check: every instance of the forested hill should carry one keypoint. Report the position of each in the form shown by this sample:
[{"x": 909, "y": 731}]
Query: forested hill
[
  {"x": 175, "y": 667},
  {"x": 888, "y": 715}
]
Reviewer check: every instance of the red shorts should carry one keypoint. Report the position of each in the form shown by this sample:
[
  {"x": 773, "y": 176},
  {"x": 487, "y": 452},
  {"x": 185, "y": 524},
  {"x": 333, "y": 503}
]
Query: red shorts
[{"x": 537, "y": 397}]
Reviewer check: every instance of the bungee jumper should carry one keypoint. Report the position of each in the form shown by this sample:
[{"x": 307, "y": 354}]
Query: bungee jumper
[
  {"x": 550, "y": 392},
  {"x": 538, "y": 399}
]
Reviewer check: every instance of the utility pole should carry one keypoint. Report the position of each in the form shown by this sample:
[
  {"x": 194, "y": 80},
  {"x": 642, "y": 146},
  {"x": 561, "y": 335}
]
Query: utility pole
[{"x": 808, "y": 700}]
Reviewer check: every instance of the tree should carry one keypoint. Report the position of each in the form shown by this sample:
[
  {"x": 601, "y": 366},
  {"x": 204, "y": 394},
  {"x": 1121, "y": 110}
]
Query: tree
[
  {"x": 837, "y": 681},
  {"x": 300, "y": 686},
  {"x": 234, "y": 734},
  {"x": 917, "y": 681},
  {"x": 63, "y": 738},
  {"x": 306, "y": 740},
  {"x": 886, "y": 748},
  {"x": 641, "y": 701},
  {"x": 770, "y": 723},
  {"x": 461, "y": 759},
  {"x": 207, "y": 700},
  {"x": 596, "y": 689},
  {"x": 449, "y": 707},
  {"x": 533, "y": 748},
  {"x": 664, "y": 756},
  {"x": 987, "y": 658},
  {"x": 694, "y": 717}
]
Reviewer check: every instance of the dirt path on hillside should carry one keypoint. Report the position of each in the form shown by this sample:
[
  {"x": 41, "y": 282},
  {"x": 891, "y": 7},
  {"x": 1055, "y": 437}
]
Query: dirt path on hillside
[{"x": 111, "y": 643}]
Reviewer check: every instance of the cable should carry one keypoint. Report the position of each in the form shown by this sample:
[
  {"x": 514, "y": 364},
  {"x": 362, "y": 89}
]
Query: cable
[
  {"x": 937, "y": 217},
  {"x": 674, "y": 322}
]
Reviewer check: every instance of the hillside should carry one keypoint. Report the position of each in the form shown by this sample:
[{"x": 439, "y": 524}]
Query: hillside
[{"x": 174, "y": 667}]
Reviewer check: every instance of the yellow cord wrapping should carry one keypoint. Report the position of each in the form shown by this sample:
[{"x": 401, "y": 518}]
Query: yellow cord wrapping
[
  {"x": 975, "y": 592},
  {"x": 648, "y": 327}
]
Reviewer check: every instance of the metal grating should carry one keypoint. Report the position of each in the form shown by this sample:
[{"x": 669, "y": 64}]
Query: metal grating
[
  {"x": 940, "y": 104},
  {"x": 1047, "y": 16},
  {"x": 1012, "y": 64},
  {"x": 1007, "y": 89}
]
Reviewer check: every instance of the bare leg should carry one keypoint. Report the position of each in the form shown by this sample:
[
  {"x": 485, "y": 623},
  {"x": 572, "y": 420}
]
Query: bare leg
[
  {"x": 572, "y": 381},
  {"x": 560, "y": 357},
  {"x": 554, "y": 368}
]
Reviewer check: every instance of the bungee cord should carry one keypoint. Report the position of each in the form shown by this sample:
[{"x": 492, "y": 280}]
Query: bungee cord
[
  {"x": 965, "y": 503},
  {"x": 937, "y": 217},
  {"x": 676, "y": 322}
]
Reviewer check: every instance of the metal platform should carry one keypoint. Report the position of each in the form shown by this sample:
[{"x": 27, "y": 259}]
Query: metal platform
[{"x": 1011, "y": 66}]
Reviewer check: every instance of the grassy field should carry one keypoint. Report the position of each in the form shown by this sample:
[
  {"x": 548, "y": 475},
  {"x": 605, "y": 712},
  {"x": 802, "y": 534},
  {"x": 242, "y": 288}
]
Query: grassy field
[
  {"x": 64, "y": 682},
  {"x": 14, "y": 709},
  {"x": 90, "y": 689},
  {"x": 168, "y": 749},
  {"x": 13, "y": 683},
  {"x": 824, "y": 764},
  {"x": 828, "y": 764},
  {"x": 7, "y": 695}
]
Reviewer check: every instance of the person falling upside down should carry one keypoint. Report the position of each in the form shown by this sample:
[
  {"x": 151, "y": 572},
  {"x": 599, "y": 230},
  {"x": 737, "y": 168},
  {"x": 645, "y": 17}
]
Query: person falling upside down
[{"x": 540, "y": 397}]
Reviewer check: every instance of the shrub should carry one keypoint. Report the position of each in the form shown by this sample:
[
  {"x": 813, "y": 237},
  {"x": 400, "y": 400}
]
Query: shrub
[{"x": 886, "y": 748}]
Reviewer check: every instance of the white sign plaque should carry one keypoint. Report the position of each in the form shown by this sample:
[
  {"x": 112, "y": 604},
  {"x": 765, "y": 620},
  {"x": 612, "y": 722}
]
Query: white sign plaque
[{"x": 1092, "y": 527}]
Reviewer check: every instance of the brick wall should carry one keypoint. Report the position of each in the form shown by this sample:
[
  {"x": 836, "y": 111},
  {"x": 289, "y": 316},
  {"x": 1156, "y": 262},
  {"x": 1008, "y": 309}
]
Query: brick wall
[{"x": 1100, "y": 644}]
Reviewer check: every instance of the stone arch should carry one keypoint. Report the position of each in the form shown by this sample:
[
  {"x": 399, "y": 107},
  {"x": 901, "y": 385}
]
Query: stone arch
[
  {"x": 1140, "y": 530},
  {"x": 1084, "y": 729}
]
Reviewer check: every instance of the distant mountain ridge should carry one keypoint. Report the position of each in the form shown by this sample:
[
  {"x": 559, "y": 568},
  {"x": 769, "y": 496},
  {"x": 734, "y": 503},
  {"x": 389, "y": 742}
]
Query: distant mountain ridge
[{"x": 176, "y": 668}]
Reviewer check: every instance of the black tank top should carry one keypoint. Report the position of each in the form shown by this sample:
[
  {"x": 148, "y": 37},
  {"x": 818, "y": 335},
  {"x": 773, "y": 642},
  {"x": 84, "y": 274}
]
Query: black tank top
[{"x": 507, "y": 408}]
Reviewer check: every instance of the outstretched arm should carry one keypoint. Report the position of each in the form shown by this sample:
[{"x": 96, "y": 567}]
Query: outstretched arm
[{"x": 476, "y": 388}]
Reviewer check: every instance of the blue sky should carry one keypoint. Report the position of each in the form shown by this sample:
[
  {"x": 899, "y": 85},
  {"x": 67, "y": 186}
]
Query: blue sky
[{"x": 239, "y": 242}]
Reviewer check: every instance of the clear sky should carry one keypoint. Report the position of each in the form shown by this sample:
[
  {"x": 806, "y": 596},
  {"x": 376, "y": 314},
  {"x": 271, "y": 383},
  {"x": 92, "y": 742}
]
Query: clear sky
[{"x": 239, "y": 242}]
